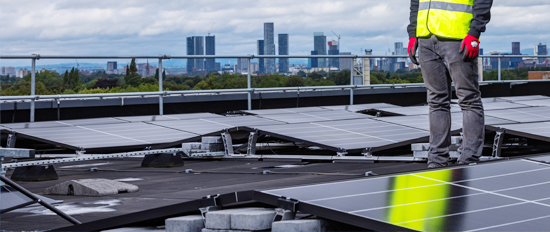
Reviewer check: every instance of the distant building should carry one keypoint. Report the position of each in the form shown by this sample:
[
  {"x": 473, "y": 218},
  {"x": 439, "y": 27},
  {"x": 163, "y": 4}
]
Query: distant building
[
  {"x": 199, "y": 50},
  {"x": 319, "y": 45},
  {"x": 313, "y": 62},
  {"x": 371, "y": 60},
  {"x": 22, "y": 72},
  {"x": 8, "y": 70},
  {"x": 242, "y": 65},
  {"x": 254, "y": 67},
  {"x": 210, "y": 50},
  {"x": 333, "y": 49},
  {"x": 345, "y": 63},
  {"x": 217, "y": 66},
  {"x": 399, "y": 49},
  {"x": 283, "y": 50},
  {"x": 261, "y": 61},
  {"x": 3, "y": 71},
  {"x": 539, "y": 75},
  {"x": 190, "y": 51},
  {"x": 516, "y": 48},
  {"x": 269, "y": 47},
  {"x": 111, "y": 66},
  {"x": 541, "y": 50}
]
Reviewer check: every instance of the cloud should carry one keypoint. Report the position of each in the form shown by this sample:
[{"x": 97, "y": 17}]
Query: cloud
[{"x": 125, "y": 27}]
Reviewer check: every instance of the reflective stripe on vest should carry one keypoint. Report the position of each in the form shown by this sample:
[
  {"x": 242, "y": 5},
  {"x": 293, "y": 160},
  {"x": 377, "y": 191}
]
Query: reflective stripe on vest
[{"x": 444, "y": 18}]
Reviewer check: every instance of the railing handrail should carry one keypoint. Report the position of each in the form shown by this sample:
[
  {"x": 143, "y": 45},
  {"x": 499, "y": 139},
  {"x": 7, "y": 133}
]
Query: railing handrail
[
  {"x": 249, "y": 90},
  {"x": 166, "y": 57}
]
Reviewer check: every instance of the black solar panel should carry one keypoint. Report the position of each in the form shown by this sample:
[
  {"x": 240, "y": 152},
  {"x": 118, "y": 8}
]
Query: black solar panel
[
  {"x": 315, "y": 116},
  {"x": 500, "y": 196},
  {"x": 108, "y": 135},
  {"x": 285, "y": 110},
  {"x": 502, "y": 105},
  {"x": 523, "y": 115},
  {"x": 537, "y": 130},
  {"x": 415, "y": 110},
  {"x": 152, "y": 118},
  {"x": 524, "y": 98},
  {"x": 361, "y": 107},
  {"x": 423, "y": 122},
  {"x": 351, "y": 135},
  {"x": 544, "y": 102},
  {"x": 63, "y": 123},
  {"x": 211, "y": 125}
]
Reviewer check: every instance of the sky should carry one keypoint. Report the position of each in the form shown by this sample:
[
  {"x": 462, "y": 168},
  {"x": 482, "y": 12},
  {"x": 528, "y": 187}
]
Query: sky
[{"x": 140, "y": 27}]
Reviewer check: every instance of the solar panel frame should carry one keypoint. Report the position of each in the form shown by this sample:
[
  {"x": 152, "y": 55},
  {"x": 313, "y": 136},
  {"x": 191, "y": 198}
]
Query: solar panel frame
[
  {"x": 361, "y": 107},
  {"x": 423, "y": 121},
  {"x": 61, "y": 123},
  {"x": 214, "y": 125},
  {"x": 334, "y": 199}
]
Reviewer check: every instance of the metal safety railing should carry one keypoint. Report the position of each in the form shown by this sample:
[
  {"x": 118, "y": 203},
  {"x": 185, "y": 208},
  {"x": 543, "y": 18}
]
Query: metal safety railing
[{"x": 249, "y": 90}]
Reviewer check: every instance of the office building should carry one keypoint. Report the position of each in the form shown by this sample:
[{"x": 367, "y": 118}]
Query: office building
[
  {"x": 210, "y": 50},
  {"x": 190, "y": 51},
  {"x": 3, "y": 71},
  {"x": 261, "y": 61},
  {"x": 333, "y": 50},
  {"x": 399, "y": 49},
  {"x": 541, "y": 50},
  {"x": 319, "y": 45},
  {"x": 269, "y": 47},
  {"x": 111, "y": 66},
  {"x": 313, "y": 62},
  {"x": 516, "y": 49},
  {"x": 283, "y": 50},
  {"x": 199, "y": 50},
  {"x": 345, "y": 63},
  {"x": 241, "y": 66},
  {"x": 371, "y": 60}
]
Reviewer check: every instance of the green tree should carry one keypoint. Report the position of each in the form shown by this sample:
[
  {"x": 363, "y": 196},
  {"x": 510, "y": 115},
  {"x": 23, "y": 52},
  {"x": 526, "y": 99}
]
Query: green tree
[
  {"x": 301, "y": 73},
  {"x": 294, "y": 81},
  {"x": 132, "y": 78}
]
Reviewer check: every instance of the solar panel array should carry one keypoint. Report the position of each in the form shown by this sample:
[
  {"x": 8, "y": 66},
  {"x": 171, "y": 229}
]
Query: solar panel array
[
  {"x": 537, "y": 130},
  {"x": 522, "y": 115},
  {"x": 422, "y": 121},
  {"x": 351, "y": 135},
  {"x": 285, "y": 110},
  {"x": 212, "y": 125},
  {"x": 502, "y": 196},
  {"x": 361, "y": 107},
  {"x": 63, "y": 123},
  {"x": 169, "y": 117}
]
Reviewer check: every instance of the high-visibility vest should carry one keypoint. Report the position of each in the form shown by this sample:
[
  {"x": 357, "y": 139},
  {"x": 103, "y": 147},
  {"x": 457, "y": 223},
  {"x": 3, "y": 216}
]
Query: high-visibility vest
[{"x": 444, "y": 18}]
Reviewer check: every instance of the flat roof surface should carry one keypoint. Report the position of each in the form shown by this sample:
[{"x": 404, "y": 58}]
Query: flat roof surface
[{"x": 167, "y": 186}]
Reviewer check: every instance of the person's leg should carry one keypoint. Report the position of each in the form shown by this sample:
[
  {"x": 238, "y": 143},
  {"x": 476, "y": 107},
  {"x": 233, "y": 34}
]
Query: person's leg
[
  {"x": 438, "y": 83},
  {"x": 466, "y": 81}
]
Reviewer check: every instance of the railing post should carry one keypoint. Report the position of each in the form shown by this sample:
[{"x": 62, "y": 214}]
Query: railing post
[
  {"x": 161, "y": 103},
  {"x": 33, "y": 84},
  {"x": 248, "y": 85},
  {"x": 480, "y": 68},
  {"x": 499, "y": 70}
]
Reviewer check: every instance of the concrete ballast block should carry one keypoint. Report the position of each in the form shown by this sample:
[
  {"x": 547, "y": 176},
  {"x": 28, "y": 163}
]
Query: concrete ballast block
[
  {"x": 91, "y": 187},
  {"x": 211, "y": 139},
  {"x": 221, "y": 220},
  {"x": 300, "y": 225},
  {"x": 252, "y": 220},
  {"x": 190, "y": 146},
  {"x": 184, "y": 224}
]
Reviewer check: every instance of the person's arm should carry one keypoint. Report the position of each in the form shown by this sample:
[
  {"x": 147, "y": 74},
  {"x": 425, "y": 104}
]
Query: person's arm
[
  {"x": 482, "y": 16},
  {"x": 411, "y": 29}
]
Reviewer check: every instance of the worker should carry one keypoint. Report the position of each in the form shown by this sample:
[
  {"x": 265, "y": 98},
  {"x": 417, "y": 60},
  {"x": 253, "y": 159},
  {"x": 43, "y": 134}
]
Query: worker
[{"x": 446, "y": 34}]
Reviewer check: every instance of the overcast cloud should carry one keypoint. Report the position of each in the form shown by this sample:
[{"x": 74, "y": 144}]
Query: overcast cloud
[{"x": 139, "y": 27}]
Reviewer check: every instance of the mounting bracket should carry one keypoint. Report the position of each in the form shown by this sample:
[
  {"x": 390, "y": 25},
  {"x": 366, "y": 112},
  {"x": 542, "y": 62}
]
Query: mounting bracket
[
  {"x": 497, "y": 144},
  {"x": 252, "y": 139},
  {"x": 341, "y": 152},
  {"x": 227, "y": 143},
  {"x": 367, "y": 152},
  {"x": 12, "y": 138}
]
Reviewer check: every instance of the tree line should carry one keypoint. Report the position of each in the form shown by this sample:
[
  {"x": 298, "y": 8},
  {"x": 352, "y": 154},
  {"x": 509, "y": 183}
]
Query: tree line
[{"x": 73, "y": 82}]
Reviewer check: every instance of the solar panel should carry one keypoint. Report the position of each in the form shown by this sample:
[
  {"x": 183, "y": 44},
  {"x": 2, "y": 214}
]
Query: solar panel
[
  {"x": 538, "y": 130},
  {"x": 423, "y": 122},
  {"x": 524, "y": 98},
  {"x": 285, "y": 110},
  {"x": 544, "y": 102},
  {"x": 315, "y": 116},
  {"x": 62, "y": 123},
  {"x": 502, "y": 105},
  {"x": 361, "y": 107},
  {"x": 523, "y": 115},
  {"x": 415, "y": 110},
  {"x": 107, "y": 135},
  {"x": 352, "y": 135},
  {"x": 212, "y": 125},
  {"x": 152, "y": 118},
  {"x": 495, "y": 197}
]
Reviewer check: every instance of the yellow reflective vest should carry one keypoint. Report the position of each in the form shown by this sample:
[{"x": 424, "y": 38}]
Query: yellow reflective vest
[{"x": 444, "y": 18}]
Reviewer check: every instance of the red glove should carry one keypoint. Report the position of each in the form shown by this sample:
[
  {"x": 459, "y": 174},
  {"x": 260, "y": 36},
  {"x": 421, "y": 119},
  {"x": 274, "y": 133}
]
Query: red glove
[
  {"x": 469, "y": 48},
  {"x": 411, "y": 49}
]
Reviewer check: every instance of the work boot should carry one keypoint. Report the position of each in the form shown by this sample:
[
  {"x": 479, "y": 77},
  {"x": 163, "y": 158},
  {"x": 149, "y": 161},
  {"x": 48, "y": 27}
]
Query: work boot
[{"x": 436, "y": 165}]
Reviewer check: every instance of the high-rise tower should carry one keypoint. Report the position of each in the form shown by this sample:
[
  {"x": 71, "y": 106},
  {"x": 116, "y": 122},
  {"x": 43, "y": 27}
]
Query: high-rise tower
[
  {"x": 261, "y": 61},
  {"x": 319, "y": 45},
  {"x": 269, "y": 47},
  {"x": 283, "y": 50},
  {"x": 333, "y": 50},
  {"x": 210, "y": 50},
  {"x": 199, "y": 50},
  {"x": 190, "y": 51}
]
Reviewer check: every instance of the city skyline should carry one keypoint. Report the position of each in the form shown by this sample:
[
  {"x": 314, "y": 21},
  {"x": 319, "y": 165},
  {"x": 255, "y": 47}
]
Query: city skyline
[{"x": 142, "y": 28}]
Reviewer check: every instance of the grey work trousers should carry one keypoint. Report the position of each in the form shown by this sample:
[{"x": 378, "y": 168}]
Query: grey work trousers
[{"x": 442, "y": 63}]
